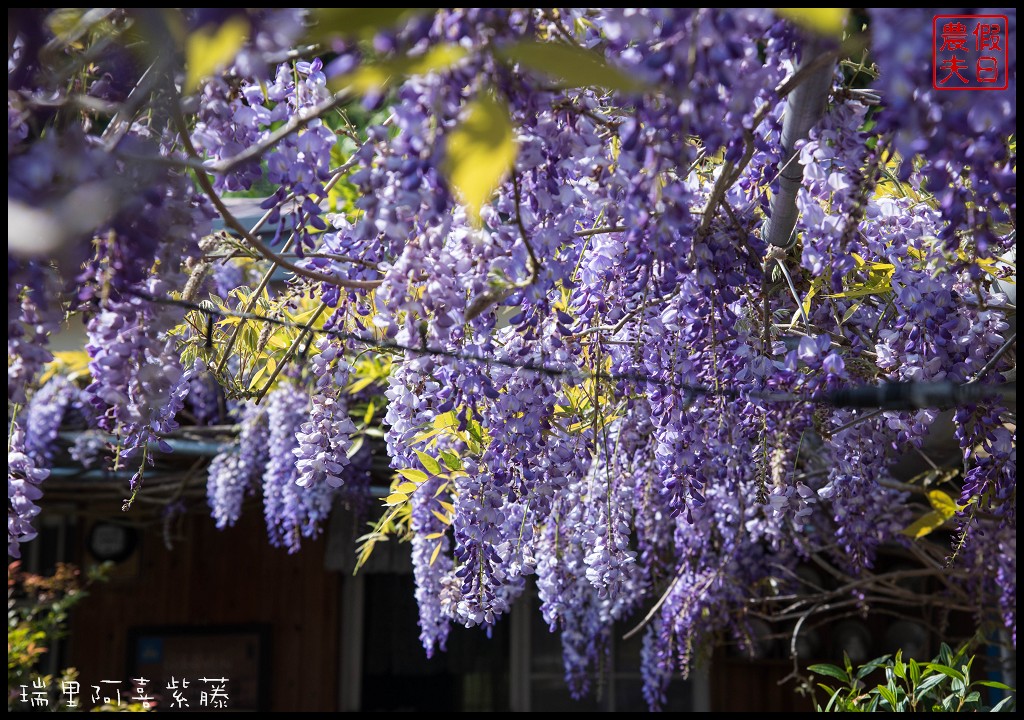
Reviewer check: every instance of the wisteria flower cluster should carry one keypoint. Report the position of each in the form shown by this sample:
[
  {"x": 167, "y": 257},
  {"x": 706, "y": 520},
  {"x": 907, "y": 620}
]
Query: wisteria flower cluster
[{"x": 547, "y": 241}]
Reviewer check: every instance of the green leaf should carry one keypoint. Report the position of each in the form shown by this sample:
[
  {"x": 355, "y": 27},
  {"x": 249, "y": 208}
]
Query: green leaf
[
  {"x": 993, "y": 684},
  {"x": 481, "y": 151},
  {"x": 1009, "y": 702},
  {"x": 451, "y": 460},
  {"x": 417, "y": 476},
  {"x": 955, "y": 674},
  {"x": 823, "y": 21},
  {"x": 849, "y": 312},
  {"x": 888, "y": 695},
  {"x": 926, "y": 685},
  {"x": 915, "y": 671},
  {"x": 869, "y": 667},
  {"x": 931, "y": 520},
  {"x": 210, "y": 48},
  {"x": 899, "y": 668},
  {"x": 429, "y": 463},
  {"x": 945, "y": 654},
  {"x": 371, "y": 77},
  {"x": 354, "y": 447},
  {"x": 570, "y": 65},
  {"x": 357, "y": 22},
  {"x": 830, "y": 671}
]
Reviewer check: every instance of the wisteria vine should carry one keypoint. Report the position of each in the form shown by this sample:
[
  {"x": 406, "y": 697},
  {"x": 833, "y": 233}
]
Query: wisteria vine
[{"x": 458, "y": 198}]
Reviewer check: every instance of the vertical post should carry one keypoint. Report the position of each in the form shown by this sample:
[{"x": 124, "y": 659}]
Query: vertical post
[{"x": 804, "y": 108}]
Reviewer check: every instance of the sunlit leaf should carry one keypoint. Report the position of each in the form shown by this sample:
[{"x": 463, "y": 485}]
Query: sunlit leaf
[
  {"x": 943, "y": 503},
  {"x": 368, "y": 415},
  {"x": 429, "y": 463},
  {"x": 931, "y": 520},
  {"x": 63, "y": 21},
  {"x": 830, "y": 671},
  {"x": 354, "y": 447},
  {"x": 73, "y": 363},
  {"x": 569, "y": 65},
  {"x": 210, "y": 48},
  {"x": 407, "y": 487},
  {"x": 396, "y": 498},
  {"x": 370, "y": 77},
  {"x": 442, "y": 518},
  {"x": 823, "y": 21},
  {"x": 433, "y": 555},
  {"x": 359, "y": 385},
  {"x": 480, "y": 153},
  {"x": 417, "y": 476},
  {"x": 451, "y": 460}
]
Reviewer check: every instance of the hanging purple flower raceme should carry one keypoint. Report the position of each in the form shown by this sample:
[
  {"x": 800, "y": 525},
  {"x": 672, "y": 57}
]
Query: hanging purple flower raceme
[
  {"x": 236, "y": 471},
  {"x": 292, "y": 512},
  {"x": 24, "y": 478},
  {"x": 44, "y": 416},
  {"x": 31, "y": 319},
  {"x": 412, "y": 389},
  {"x": 325, "y": 438}
]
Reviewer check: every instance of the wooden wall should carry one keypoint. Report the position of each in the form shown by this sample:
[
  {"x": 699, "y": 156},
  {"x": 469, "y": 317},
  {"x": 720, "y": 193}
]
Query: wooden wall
[{"x": 214, "y": 577}]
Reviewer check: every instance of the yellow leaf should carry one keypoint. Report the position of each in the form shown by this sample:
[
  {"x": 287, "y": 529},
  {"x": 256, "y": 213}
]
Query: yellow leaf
[
  {"x": 823, "y": 21},
  {"x": 429, "y": 463},
  {"x": 447, "y": 506},
  {"x": 407, "y": 487},
  {"x": 417, "y": 476},
  {"x": 434, "y": 536},
  {"x": 396, "y": 499},
  {"x": 943, "y": 503},
  {"x": 441, "y": 517},
  {"x": 931, "y": 520},
  {"x": 574, "y": 66},
  {"x": 73, "y": 363},
  {"x": 481, "y": 151},
  {"x": 210, "y": 48},
  {"x": 370, "y": 77},
  {"x": 368, "y": 415},
  {"x": 445, "y": 420},
  {"x": 850, "y": 312},
  {"x": 433, "y": 555},
  {"x": 426, "y": 435},
  {"x": 254, "y": 382},
  {"x": 359, "y": 385}
]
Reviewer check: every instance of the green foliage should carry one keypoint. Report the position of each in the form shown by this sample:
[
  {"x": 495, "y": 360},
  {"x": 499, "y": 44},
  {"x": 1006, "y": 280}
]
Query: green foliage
[
  {"x": 942, "y": 685},
  {"x": 570, "y": 65},
  {"x": 210, "y": 48},
  {"x": 37, "y": 616},
  {"x": 356, "y": 22},
  {"x": 376, "y": 76},
  {"x": 823, "y": 21},
  {"x": 481, "y": 152}
]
